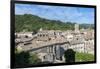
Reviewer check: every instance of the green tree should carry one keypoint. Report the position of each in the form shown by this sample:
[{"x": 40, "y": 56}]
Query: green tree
[
  {"x": 25, "y": 59},
  {"x": 21, "y": 59},
  {"x": 69, "y": 56},
  {"x": 30, "y": 22},
  {"x": 34, "y": 59}
]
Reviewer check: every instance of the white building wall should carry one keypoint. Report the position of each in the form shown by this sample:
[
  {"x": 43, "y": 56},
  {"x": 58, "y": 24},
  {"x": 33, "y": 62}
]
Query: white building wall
[{"x": 77, "y": 47}]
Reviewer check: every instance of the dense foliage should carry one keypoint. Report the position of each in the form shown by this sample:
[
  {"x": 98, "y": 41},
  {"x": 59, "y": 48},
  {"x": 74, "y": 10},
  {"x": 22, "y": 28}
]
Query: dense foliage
[
  {"x": 71, "y": 56},
  {"x": 25, "y": 59},
  {"x": 28, "y": 22}
]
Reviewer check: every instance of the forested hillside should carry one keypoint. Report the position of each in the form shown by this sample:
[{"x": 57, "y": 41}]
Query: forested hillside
[{"x": 28, "y": 22}]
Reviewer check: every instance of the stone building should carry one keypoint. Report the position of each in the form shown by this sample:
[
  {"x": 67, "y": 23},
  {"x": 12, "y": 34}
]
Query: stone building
[
  {"x": 50, "y": 45},
  {"x": 77, "y": 28}
]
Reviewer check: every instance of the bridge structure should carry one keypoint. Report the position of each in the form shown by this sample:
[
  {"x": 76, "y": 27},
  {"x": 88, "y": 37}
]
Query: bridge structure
[{"x": 48, "y": 51}]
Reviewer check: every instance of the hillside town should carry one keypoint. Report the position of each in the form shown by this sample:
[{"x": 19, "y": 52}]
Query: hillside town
[{"x": 50, "y": 45}]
